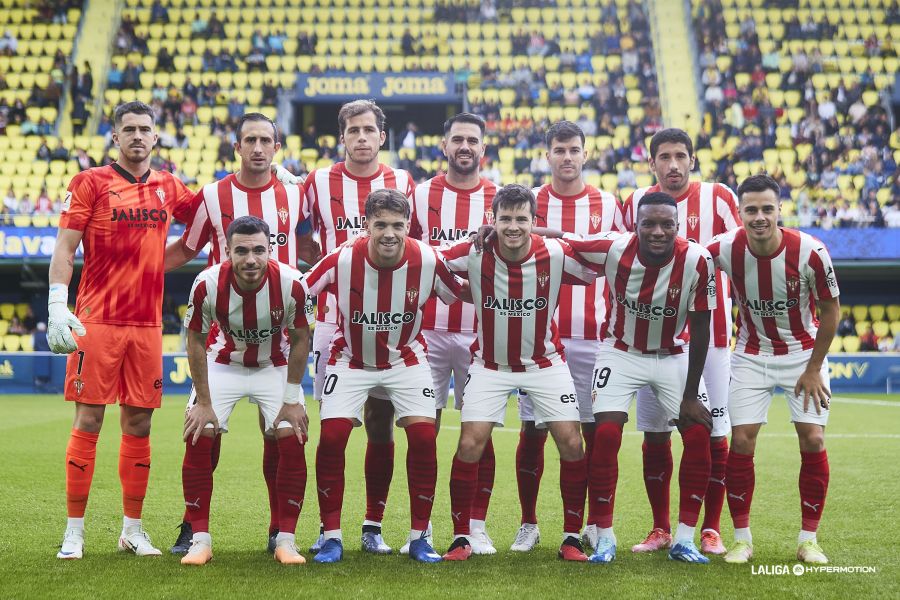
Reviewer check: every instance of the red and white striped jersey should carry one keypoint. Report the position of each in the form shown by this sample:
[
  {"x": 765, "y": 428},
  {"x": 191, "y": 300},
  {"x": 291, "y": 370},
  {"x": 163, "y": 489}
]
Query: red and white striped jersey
[
  {"x": 651, "y": 304},
  {"x": 336, "y": 205},
  {"x": 582, "y": 309},
  {"x": 776, "y": 294},
  {"x": 515, "y": 301},
  {"x": 281, "y": 206},
  {"x": 442, "y": 215},
  {"x": 379, "y": 311},
  {"x": 704, "y": 211},
  {"x": 250, "y": 324}
]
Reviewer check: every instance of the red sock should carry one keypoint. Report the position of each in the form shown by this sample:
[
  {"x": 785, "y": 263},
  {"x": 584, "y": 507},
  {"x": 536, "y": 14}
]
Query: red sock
[
  {"x": 197, "y": 482},
  {"x": 134, "y": 473},
  {"x": 463, "y": 480},
  {"x": 330, "y": 470},
  {"x": 290, "y": 483},
  {"x": 270, "y": 474},
  {"x": 573, "y": 487},
  {"x": 487, "y": 466},
  {"x": 529, "y": 469},
  {"x": 693, "y": 475},
  {"x": 739, "y": 482},
  {"x": 604, "y": 473},
  {"x": 588, "y": 452},
  {"x": 814, "y": 474},
  {"x": 379, "y": 469},
  {"x": 421, "y": 472},
  {"x": 214, "y": 461},
  {"x": 657, "y": 480},
  {"x": 715, "y": 489},
  {"x": 81, "y": 453}
]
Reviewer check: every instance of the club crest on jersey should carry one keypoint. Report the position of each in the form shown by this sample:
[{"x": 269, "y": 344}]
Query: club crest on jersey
[
  {"x": 693, "y": 219},
  {"x": 412, "y": 294},
  {"x": 79, "y": 385},
  {"x": 161, "y": 195},
  {"x": 283, "y": 215},
  {"x": 793, "y": 284},
  {"x": 595, "y": 220},
  {"x": 489, "y": 217},
  {"x": 673, "y": 292},
  {"x": 542, "y": 278},
  {"x": 276, "y": 313}
]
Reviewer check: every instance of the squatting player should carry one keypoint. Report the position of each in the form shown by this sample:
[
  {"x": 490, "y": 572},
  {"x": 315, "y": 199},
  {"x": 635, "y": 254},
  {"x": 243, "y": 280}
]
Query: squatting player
[
  {"x": 254, "y": 300},
  {"x": 336, "y": 199},
  {"x": 659, "y": 283},
  {"x": 704, "y": 210},
  {"x": 121, "y": 214},
  {"x": 253, "y": 190},
  {"x": 380, "y": 283},
  {"x": 569, "y": 205},
  {"x": 515, "y": 285},
  {"x": 780, "y": 276},
  {"x": 447, "y": 208}
]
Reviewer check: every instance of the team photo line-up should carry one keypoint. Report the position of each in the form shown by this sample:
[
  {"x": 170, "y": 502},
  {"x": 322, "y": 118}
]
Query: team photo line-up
[{"x": 561, "y": 295}]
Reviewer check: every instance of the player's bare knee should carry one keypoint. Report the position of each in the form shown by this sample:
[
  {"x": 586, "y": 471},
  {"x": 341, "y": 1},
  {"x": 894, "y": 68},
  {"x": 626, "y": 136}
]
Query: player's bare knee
[
  {"x": 811, "y": 437},
  {"x": 657, "y": 437},
  {"x": 471, "y": 447},
  {"x": 378, "y": 419},
  {"x": 743, "y": 438},
  {"x": 570, "y": 447},
  {"x": 88, "y": 418},
  {"x": 136, "y": 421}
]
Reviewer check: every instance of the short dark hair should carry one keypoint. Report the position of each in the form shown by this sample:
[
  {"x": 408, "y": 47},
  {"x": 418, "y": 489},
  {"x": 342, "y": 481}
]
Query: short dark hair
[
  {"x": 671, "y": 136},
  {"x": 513, "y": 195},
  {"x": 254, "y": 116},
  {"x": 246, "y": 225},
  {"x": 562, "y": 131},
  {"x": 656, "y": 199},
  {"x": 387, "y": 199},
  {"x": 464, "y": 117},
  {"x": 135, "y": 108},
  {"x": 759, "y": 183},
  {"x": 360, "y": 107}
]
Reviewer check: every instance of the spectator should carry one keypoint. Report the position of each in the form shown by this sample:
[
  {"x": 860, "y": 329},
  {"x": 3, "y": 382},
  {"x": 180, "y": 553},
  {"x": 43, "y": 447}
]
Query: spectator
[
  {"x": 895, "y": 345},
  {"x": 9, "y": 45},
  {"x": 26, "y": 205},
  {"x": 43, "y": 206},
  {"x": 847, "y": 325},
  {"x": 16, "y": 327},
  {"x": 627, "y": 176},
  {"x": 159, "y": 13},
  {"x": 409, "y": 138},
  {"x": 868, "y": 342}
]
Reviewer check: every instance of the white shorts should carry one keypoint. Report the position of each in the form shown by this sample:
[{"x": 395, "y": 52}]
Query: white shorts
[
  {"x": 716, "y": 373},
  {"x": 753, "y": 382},
  {"x": 345, "y": 390},
  {"x": 580, "y": 356},
  {"x": 551, "y": 390},
  {"x": 618, "y": 375},
  {"x": 449, "y": 353},
  {"x": 263, "y": 386},
  {"x": 322, "y": 336}
]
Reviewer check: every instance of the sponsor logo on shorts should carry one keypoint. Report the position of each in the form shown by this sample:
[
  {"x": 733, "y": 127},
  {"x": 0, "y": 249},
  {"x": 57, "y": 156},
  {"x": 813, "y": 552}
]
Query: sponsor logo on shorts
[
  {"x": 567, "y": 398},
  {"x": 382, "y": 321},
  {"x": 157, "y": 384},
  {"x": 648, "y": 312},
  {"x": 515, "y": 307},
  {"x": 428, "y": 392}
]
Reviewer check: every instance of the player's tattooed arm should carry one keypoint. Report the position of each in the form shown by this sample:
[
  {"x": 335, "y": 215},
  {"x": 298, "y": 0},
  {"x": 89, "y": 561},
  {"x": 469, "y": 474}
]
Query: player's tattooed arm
[
  {"x": 692, "y": 410},
  {"x": 810, "y": 383},
  {"x": 201, "y": 413}
]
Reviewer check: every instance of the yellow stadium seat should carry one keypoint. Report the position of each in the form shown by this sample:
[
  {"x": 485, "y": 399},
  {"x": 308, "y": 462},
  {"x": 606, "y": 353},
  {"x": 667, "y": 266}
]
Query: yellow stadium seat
[
  {"x": 4, "y": 327},
  {"x": 860, "y": 312},
  {"x": 895, "y": 328},
  {"x": 26, "y": 343},
  {"x": 893, "y": 312},
  {"x": 850, "y": 343},
  {"x": 836, "y": 345},
  {"x": 881, "y": 328},
  {"x": 877, "y": 312},
  {"x": 12, "y": 343}
]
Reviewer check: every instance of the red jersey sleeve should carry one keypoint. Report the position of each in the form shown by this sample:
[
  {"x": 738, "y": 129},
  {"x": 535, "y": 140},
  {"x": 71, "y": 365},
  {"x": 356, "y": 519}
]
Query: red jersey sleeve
[
  {"x": 198, "y": 315},
  {"x": 703, "y": 291},
  {"x": 628, "y": 213},
  {"x": 78, "y": 206},
  {"x": 185, "y": 202},
  {"x": 447, "y": 286},
  {"x": 820, "y": 274},
  {"x": 322, "y": 275},
  {"x": 199, "y": 227},
  {"x": 300, "y": 310}
]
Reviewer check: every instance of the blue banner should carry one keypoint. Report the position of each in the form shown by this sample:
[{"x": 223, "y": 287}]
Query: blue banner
[
  {"x": 860, "y": 244},
  {"x": 405, "y": 87},
  {"x": 38, "y": 242},
  {"x": 18, "y": 372}
]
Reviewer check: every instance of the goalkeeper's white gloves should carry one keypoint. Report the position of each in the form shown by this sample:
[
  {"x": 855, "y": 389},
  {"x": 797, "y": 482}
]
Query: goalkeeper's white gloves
[
  {"x": 62, "y": 322},
  {"x": 285, "y": 176}
]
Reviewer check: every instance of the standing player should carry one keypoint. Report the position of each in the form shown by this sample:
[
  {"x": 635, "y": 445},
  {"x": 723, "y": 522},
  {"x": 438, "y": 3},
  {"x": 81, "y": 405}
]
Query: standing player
[
  {"x": 568, "y": 205},
  {"x": 515, "y": 285},
  {"x": 121, "y": 214},
  {"x": 780, "y": 276},
  {"x": 253, "y": 300},
  {"x": 447, "y": 208},
  {"x": 704, "y": 210},
  {"x": 336, "y": 200},
  {"x": 254, "y": 191},
  {"x": 380, "y": 283},
  {"x": 659, "y": 283}
]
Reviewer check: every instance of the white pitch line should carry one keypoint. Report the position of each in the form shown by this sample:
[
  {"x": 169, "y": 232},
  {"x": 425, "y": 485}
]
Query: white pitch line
[
  {"x": 846, "y": 436},
  {"x": 865, "y": 402}
]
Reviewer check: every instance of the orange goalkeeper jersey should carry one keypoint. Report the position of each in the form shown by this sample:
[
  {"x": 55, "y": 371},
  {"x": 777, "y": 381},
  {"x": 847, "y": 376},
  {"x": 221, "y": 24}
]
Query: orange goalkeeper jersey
[{"x": 125, "y": 222}]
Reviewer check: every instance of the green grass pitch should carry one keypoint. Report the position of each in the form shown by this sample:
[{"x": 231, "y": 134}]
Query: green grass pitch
[{"x": 863, "y": 443}]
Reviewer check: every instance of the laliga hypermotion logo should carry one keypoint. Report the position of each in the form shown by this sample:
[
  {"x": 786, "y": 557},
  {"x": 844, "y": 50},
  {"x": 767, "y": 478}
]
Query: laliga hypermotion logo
[{"x": 283, "y": 215}]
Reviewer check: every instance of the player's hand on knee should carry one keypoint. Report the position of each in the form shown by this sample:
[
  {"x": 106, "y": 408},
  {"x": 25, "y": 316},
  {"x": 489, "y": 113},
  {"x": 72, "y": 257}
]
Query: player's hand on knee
[
  {"x": 295, "y": 416},
  {"x": 196, "y": 420},
  {"x": 693, "y": 411},
  {"x": 60, "y": 324},
  {"x": 812, "y": 387}
]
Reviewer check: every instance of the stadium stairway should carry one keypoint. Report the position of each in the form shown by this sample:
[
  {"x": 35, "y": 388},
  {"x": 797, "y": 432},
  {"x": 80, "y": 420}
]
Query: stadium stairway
[
  {"x": 94, "y": 45},
  {"x": 675, "y": 63}
]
